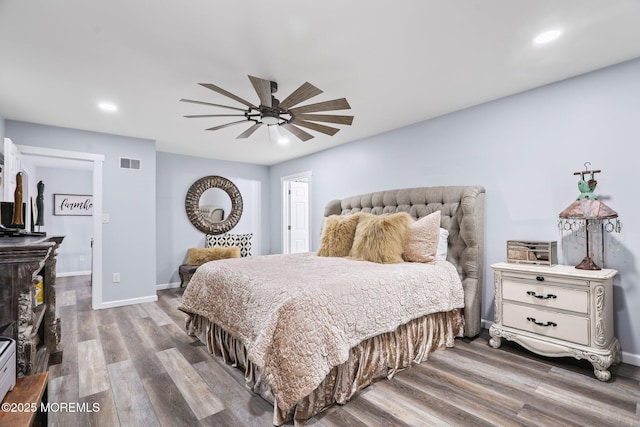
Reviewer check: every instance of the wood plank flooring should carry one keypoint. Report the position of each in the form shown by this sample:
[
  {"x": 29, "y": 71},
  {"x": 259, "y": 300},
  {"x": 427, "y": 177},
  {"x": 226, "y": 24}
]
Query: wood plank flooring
[{"x": 140, "y": 368}]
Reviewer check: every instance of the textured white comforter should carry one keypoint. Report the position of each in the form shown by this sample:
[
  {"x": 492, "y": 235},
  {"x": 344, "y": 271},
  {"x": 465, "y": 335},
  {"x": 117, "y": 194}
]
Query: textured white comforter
[{"x": 298, "y": 315}]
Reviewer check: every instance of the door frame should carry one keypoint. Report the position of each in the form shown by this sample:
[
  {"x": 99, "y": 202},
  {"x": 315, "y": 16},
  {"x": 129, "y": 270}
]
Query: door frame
[
  {"x": 286, "y": 208},
  {"x": 98, "y": 160}
]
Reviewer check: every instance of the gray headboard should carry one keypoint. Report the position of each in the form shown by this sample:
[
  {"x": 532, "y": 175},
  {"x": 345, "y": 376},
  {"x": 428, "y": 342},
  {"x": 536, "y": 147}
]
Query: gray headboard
[{"x": 462, "y": 209}]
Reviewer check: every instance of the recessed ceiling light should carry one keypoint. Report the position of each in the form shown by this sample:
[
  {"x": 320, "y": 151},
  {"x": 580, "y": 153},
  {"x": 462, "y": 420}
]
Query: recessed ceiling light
[
  {"x": 109, "y": 107},
  {"x": 547, "y": 36}
]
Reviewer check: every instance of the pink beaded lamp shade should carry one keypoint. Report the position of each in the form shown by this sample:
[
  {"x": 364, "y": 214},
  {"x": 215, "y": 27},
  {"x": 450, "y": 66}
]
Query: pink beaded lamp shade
[{"x": 588, "y": 209}]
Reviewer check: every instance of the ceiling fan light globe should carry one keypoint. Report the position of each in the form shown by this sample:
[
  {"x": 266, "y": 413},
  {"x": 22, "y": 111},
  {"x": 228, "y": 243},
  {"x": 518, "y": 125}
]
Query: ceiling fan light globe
[{"x": 269, "y": 120}]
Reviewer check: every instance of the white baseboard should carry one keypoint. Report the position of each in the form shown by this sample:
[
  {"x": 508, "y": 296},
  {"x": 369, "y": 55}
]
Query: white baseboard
[
  {"x": 163, "y": 286},
  {"x": 74, "y": 273},
  {"x": 120, "y": 303},
  {"x": 630, "y": 358}
]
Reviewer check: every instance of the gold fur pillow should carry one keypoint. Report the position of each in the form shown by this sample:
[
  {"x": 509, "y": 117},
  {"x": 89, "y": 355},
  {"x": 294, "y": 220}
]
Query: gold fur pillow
[
  {"x": 422, "y": 243},
  {"x": 381, "y": 238},
  {"x": 198, "y": 256},
  {"x": 337, "y": 235}
]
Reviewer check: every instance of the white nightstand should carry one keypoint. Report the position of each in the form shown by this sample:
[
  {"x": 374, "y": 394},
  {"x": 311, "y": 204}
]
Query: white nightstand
[{"x": 557, "y": 311}]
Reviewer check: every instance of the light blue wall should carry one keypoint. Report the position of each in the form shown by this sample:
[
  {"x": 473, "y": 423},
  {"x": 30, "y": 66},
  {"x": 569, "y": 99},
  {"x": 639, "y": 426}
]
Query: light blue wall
[
  {"x": 175, "y": 234},
  {"x": 523, "y": 149},
  {"x": 128, "y": 197}
]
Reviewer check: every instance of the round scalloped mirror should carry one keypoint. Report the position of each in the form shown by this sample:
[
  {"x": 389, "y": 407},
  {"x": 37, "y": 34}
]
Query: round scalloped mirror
[{"x": 208, "y": 218}]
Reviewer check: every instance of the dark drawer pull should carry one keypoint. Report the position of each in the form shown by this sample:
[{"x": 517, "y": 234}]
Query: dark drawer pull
[
  {"x": 532, "y": 319},
  {"x": 549, "y": 296},
  {"x": 540, "y": 278}
]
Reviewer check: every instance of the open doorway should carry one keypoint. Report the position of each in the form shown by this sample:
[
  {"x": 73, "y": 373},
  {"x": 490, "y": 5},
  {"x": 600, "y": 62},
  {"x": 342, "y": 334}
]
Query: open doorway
[
  {"x": 62, "y": 157},
  {"x": 296, "y": 230}
]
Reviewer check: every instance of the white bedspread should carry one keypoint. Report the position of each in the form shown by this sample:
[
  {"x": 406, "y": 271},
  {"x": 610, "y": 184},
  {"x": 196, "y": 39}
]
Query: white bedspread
[{"x": 298, "y": 315}]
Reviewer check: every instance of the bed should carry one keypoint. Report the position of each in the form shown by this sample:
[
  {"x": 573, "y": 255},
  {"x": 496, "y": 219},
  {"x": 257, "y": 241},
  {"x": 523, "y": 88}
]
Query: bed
[{"x": 310, "y": 330}]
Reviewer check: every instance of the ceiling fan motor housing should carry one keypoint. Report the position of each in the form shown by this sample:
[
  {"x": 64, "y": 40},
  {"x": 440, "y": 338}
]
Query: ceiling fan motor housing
[{"x": 269, "y": 116}]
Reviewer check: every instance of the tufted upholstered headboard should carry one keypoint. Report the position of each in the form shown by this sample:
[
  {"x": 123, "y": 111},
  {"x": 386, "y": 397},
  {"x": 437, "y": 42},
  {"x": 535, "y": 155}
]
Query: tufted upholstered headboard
[{"x": 462, "y": 210}]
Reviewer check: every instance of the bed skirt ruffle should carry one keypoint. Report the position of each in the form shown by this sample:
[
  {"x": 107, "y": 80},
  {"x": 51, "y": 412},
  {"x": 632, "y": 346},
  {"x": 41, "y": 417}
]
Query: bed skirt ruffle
[{"x": 374, "y": 358}]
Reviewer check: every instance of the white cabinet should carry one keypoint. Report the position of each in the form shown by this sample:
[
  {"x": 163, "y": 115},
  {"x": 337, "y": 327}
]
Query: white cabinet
[{"x": 557, "y": 311}]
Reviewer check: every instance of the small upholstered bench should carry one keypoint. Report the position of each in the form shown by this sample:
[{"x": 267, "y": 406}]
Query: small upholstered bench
[
  {"x": 217, "y": 242},
  {"x": 198, "y": 256}
]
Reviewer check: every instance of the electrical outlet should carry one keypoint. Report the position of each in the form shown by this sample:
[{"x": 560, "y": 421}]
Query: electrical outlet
[{"x": 116, "y": 277}]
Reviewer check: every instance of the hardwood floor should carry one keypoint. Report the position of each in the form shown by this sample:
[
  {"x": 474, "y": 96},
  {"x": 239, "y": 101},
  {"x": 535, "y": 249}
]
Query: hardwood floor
[{"x": 140, "y": 368}]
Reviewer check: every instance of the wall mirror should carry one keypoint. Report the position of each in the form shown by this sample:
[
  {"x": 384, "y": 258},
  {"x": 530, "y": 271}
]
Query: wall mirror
[{"x": 213, "y": 204}]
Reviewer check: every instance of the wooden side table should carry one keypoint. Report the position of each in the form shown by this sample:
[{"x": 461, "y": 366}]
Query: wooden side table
[{"x": 24, "y": 402}]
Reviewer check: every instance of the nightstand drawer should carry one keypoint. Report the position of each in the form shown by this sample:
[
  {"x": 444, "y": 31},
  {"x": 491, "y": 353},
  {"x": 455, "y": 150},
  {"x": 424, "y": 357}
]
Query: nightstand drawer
[
  {"x": 551, "y": 324},
  {"x": 570, "y": 299}
]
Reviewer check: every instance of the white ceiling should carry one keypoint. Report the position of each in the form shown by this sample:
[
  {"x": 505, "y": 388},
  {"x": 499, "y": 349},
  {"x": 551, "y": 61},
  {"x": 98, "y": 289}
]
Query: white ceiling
[{"x": 397, "y": 63}]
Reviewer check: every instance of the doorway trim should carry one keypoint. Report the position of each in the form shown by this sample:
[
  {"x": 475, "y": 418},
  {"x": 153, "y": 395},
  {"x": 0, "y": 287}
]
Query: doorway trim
[
  {"x": 286, "y": 212},
  {"x": 97, "y": 159}
]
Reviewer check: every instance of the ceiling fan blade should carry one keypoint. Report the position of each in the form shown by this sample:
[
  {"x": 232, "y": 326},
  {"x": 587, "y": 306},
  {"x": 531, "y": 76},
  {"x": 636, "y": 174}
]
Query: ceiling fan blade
[
  {"x": 228, "y": 94},
  {"x": 330, "y": 118},
  {"x": 263, "y": 89},
  {"x": 247, "y": 133},
  {"x": 304, "y": 92},
  {"x": 194, "y": 116},
  {"x": 226, "y": 125},
  {"x": 214, "y": 105},
  {"x": 315, "y": 126},
  {"x": 335, "y": 104},
  {"x": 297, "y": 132}
]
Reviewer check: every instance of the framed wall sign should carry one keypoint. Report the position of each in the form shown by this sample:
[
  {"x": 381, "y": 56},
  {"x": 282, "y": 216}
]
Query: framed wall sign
[{"x": 73, "y": 204}]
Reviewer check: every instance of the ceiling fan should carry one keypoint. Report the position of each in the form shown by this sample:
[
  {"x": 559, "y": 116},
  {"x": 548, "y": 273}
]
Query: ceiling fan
[{"x": 275, "y": 113}]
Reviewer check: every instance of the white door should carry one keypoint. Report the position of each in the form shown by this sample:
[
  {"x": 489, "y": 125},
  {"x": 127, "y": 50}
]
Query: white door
[{"x": 299, "y": 217}]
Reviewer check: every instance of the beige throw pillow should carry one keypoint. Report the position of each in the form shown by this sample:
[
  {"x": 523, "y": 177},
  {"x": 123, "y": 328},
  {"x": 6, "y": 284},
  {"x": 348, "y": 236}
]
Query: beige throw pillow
[
  {"x": 199, "y": 256},
  {"x": 337, "y": 235},
  {"x": 422, "y": 243},
  {"x": 381, "y": 238}
]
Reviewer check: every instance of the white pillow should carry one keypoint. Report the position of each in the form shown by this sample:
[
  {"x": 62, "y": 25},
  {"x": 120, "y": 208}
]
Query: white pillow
[{"x": 443, "y": 245}]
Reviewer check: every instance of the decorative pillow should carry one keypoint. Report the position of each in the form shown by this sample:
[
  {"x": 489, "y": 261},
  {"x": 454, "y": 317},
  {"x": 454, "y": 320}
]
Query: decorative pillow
[
  {"x": 198, "y": 256},
  {"x": 337, "y": 236},
  {"x": 243, "y": 241},
  {"x": 422, "y": 243},
  {"x": 443, "y": 245},
  {"x": 381, "y": 238}
]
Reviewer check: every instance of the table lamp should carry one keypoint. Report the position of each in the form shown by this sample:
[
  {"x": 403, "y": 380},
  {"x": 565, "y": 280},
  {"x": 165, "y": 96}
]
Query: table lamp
[{"x": 587, "y": 213}]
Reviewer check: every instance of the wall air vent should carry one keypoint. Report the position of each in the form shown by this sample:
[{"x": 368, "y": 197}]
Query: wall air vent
[{"x": 126, "y": 163}]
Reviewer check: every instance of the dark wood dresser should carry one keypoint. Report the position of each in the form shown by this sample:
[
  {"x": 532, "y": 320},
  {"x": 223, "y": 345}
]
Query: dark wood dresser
[{"x": 28, "y": 300}]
